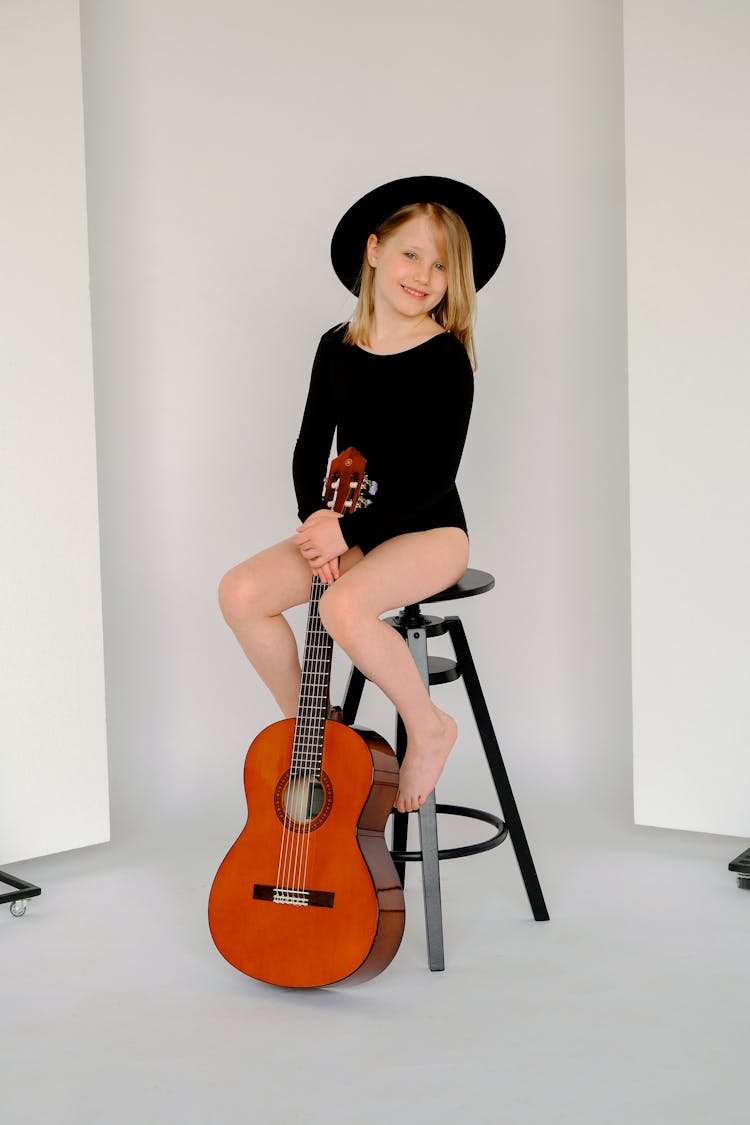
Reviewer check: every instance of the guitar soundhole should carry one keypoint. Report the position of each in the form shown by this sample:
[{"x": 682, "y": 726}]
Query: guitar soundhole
[
  {"x": 303, "y": 802},
  {"x": 303, "y": 798}
]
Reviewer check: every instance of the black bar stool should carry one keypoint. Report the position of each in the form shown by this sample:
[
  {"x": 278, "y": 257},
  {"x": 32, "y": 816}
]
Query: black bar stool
[{"x": 415, "y": 627}]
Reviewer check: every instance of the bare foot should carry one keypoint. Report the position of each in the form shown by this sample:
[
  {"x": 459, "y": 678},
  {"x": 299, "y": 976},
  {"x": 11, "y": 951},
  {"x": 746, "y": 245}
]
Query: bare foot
[{"x": 423, "y": 762}]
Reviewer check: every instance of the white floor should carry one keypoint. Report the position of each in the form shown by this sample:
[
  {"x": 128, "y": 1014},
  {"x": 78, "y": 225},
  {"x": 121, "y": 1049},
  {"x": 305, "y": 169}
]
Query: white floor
[{"x": 631, "y": 1005}]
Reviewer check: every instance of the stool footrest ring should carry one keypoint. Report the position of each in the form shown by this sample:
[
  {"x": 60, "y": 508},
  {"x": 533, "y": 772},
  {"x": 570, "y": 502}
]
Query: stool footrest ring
[{"x": 465, "y": 849}]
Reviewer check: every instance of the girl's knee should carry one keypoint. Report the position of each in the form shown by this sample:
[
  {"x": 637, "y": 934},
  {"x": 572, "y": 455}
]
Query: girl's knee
[
  {"x": 338, "y": 610},
  {"x": 237, "y": 593},
  {"x": 227, "y": 593}
]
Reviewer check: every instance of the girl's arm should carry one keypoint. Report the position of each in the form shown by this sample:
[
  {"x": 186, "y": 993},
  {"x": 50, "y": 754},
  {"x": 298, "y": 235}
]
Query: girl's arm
[{"x": 311, "y": 452}]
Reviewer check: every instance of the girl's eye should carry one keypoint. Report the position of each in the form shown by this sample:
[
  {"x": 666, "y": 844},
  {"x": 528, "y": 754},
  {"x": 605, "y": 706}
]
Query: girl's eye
[
  {"x": 439, "y": 266},
  {"x": 409, "y": 254}
]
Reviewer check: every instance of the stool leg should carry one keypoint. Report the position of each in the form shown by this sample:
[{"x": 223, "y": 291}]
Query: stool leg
[
  {"x": 400, "y": 819},
  {"x": 417, "y": 642},
  {"x": 433, "y": 910},
  {"x": 497, "y": 768}
]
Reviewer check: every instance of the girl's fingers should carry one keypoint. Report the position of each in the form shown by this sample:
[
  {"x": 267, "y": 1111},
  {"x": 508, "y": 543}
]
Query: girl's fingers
[
  {"x": 315, "y": 517},
  {"x": 327, "y": 571}
]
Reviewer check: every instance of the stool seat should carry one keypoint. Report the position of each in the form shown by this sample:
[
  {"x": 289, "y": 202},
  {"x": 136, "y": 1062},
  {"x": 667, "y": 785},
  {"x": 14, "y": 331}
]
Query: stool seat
[
  {"x": 473, "y": 582},
  {"x": 416, "y": 628}
]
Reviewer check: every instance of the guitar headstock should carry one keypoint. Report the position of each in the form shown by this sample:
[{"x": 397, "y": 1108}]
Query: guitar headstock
[{"x": 347, "y": 486}]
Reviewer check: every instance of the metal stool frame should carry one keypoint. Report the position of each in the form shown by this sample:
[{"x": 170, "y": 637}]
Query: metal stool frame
[{"x": 415, "y": 627}]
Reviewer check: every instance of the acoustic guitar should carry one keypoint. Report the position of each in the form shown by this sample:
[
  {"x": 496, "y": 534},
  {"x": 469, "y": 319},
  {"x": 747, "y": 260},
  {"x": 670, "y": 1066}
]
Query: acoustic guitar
[{"x": 308, "y": 894}]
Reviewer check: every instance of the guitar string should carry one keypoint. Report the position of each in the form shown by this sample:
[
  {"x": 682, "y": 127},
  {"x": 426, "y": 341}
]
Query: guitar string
[
  {"x": 306, "y": 734},
  {"x": 298, "y": 766},
  {"x": 314, "y": 732},
  {"x": 283, "y": 874},
  {"x": 316, "y": 718},
  {"x": 324, "y": 656},
  {"x": 307, "y": 747},
  {"x": 305, "y": 753},
  {"x": 310, "y": 733},
  {"x": 299, "y": 770},
  {"x": 287, "y": 835},
  {"x": 325, "y": 653},
  {"x": 320, "y": 695},
  {"x": 311, "y": 737}
]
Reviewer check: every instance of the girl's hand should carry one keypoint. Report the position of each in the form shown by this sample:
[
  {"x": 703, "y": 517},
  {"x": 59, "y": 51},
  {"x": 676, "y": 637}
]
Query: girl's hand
[{"x": 320, "y": 543}]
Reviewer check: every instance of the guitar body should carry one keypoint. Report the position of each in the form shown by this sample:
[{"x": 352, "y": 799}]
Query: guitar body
[{"x": 308, "y": 894}]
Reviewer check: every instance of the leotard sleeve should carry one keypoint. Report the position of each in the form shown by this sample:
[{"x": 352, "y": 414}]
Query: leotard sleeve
[{"x": 311, "y": 452}]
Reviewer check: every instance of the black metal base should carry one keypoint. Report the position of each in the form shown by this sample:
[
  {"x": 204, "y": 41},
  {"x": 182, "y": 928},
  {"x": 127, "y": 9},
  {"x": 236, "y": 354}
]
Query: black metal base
[
  {"x": 742, "y": 866},
  {"x": 17, "y": 901},
  {"x": 464, "y": 849}
]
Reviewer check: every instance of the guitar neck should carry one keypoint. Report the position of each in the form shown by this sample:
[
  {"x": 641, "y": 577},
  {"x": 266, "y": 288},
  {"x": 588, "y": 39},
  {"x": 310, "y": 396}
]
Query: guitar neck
[
  {"x": 346, "y": 489},
  {"x": 314, "y": 696}
]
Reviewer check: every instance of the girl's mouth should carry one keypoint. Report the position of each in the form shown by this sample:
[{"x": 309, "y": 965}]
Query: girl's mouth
[{"x": 414, "y": 292}]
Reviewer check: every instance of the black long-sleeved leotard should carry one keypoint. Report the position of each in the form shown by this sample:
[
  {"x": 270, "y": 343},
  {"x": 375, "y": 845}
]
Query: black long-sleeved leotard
[{"x": 407, "y": 414}]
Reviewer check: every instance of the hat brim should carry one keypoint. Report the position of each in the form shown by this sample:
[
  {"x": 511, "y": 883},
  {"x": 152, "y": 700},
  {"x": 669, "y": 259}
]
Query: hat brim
[{"x": 483, "y": 222}]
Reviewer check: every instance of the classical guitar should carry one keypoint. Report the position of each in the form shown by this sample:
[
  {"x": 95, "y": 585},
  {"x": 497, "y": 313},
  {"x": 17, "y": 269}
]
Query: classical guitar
[{"x": 308, "y": 894}]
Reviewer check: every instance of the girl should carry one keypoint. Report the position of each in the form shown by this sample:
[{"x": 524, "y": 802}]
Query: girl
[{"x": 396, "y": 382}]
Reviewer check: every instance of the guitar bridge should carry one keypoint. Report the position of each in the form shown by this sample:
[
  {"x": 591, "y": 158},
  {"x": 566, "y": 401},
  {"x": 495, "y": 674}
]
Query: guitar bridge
[{"x": 292, "y": 896}]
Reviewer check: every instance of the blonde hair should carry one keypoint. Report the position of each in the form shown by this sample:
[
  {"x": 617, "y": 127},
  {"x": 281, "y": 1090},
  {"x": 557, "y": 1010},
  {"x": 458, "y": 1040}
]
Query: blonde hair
[{"x": 456, "y": 311}]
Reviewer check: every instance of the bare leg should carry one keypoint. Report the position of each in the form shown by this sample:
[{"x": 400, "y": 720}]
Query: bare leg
[
  {"x": 253, "y": 597},
  {"x": 399, "y": 572}
]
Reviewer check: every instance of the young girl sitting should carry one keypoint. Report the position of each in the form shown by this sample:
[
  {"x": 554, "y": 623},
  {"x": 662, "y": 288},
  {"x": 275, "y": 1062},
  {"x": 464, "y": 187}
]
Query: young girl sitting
[{"x": 396, "y": 382}]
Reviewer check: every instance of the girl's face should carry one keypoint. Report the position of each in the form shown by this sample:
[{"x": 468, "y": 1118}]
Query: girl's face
[{"x": 410, "y": 268}]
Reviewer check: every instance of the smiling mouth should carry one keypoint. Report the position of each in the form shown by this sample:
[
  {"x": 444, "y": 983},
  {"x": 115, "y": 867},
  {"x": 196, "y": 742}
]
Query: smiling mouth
[{"x": 414, "y": 292}]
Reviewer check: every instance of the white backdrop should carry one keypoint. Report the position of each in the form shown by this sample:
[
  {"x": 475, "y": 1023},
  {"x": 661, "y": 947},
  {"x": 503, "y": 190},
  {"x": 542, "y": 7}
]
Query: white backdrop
[
  {"x": 223, "y": 143},
  {"x": 53, "y": 751},
  {"x": 688, "y": 185}
]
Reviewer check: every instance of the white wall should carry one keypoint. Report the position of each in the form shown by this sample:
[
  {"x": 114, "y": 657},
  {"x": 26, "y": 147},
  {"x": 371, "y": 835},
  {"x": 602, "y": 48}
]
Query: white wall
[
  {"x": 687, "y": 84},
  {"x": 224, "y": 140},
  {"x": 53, "y": 754}
]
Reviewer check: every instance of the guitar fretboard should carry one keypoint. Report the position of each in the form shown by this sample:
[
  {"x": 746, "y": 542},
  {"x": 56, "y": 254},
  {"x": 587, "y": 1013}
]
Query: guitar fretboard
[{"x": 312, "y": 711}]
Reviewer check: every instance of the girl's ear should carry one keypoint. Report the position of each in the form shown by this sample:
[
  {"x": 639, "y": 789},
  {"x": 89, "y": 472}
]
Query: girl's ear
[{"x": 373, "y": 246}]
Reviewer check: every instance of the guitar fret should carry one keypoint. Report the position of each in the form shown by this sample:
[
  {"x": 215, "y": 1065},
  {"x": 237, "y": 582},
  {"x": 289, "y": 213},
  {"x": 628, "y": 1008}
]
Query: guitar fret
[{"x": 312, "y": 712}]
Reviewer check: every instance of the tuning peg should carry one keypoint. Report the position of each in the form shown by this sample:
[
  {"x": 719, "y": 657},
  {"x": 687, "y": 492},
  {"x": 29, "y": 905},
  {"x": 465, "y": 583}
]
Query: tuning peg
[{"x": 334, "y": 486}]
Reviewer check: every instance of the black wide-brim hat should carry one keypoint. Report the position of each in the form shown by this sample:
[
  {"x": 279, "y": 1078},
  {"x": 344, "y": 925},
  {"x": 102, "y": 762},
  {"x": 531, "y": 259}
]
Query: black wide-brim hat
[{"x": 486, "y": 228}]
